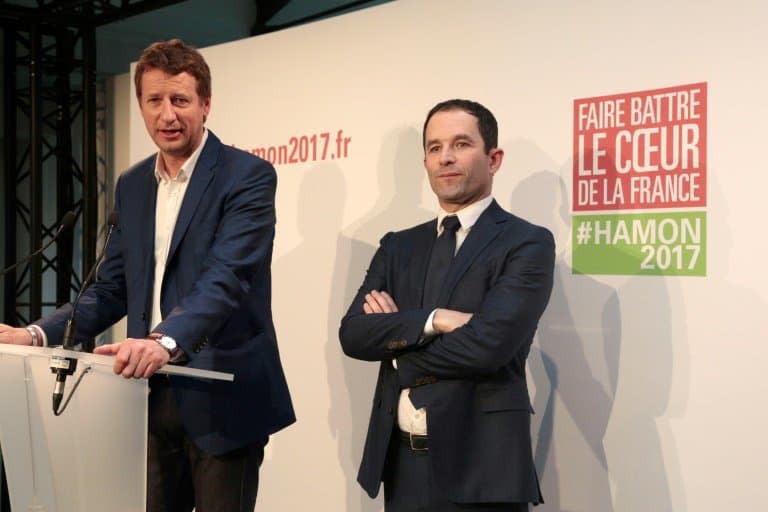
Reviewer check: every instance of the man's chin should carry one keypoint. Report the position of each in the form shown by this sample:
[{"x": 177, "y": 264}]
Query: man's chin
[
  {"x": 174, "y": 149},
  {"x": 451, "y": 196}
]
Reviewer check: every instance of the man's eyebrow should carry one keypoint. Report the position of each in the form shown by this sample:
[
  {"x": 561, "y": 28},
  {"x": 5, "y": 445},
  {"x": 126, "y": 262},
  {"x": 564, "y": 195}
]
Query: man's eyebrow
[{"x": 455, "y": 137}]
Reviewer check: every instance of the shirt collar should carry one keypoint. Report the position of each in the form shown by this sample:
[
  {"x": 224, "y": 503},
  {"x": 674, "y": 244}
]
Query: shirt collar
[
  {"x": 467, "y": 215},
  {"x": 187, "y": 167}
]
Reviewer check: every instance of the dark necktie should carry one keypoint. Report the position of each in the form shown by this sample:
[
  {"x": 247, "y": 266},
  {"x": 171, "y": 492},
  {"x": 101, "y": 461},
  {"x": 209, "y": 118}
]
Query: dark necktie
[{"x": 440, "y": 261}]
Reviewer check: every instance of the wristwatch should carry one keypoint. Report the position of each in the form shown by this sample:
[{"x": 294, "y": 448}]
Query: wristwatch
[{"x": 169, "y": 344}]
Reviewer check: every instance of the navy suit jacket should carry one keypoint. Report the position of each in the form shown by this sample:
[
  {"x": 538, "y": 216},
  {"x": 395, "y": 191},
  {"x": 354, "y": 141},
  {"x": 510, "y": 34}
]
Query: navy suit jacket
[
  {"x": 216, "y": 292},
  {"x": 472, "y": 380}
]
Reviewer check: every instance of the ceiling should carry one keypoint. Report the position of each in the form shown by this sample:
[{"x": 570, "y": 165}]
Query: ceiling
[{"x": 126, "y": 27}]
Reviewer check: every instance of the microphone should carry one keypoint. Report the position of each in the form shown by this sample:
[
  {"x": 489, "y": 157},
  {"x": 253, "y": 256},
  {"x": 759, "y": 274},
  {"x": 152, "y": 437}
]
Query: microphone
[
  {"x": 65, "y": 366},
  {"x": 69, "y": 331},
  {"x": 62, "y": 367},
  {"x": 67, "y": 221}
]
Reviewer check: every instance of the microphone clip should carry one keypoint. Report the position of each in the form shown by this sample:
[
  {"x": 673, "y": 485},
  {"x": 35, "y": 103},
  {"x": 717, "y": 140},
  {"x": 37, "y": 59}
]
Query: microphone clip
[{"x": 61, "y": 365}]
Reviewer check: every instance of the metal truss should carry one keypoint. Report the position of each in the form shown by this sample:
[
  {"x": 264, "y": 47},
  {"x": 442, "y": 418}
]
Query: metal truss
[
  {"x": 77, "y": 13},
  {"x": 51, "y": 158},
  {"x": 49, "y": 167}
]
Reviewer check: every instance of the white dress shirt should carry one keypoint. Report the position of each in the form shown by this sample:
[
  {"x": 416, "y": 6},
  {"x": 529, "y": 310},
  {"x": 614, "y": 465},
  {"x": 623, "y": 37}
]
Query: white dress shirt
[
  {"x": 170, "y": 194},
  {"x": 409, "y": 419}
]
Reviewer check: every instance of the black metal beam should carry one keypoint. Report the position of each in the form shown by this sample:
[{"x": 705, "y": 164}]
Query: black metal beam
[
  {"x": 90, "y": 177},
  {"x": 130, "y": 9},
  {"x": 308, "y": 19},
  {"x": 65, "y": 50},
  {"x": 36, "y": 170},
  {"x": 28, "y": 15},
  {"x": 265, "y": 10},
  {"x": 9, "y": 164},
  {"x": 79, "y": 13}
]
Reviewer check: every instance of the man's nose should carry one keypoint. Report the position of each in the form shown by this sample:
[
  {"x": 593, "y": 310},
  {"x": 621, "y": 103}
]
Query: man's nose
[
  {"x": 167, "y": 113},
  {"x": 447, "y": 156}
]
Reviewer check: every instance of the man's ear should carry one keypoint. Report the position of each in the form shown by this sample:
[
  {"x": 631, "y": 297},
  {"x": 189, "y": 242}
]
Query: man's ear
[
  {"x": 206, "y": 103},
  {"x": 496, "y": 155}
]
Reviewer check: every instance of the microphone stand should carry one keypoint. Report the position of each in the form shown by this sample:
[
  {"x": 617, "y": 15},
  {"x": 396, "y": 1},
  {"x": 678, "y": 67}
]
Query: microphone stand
[{"x": 64, "y": 366}]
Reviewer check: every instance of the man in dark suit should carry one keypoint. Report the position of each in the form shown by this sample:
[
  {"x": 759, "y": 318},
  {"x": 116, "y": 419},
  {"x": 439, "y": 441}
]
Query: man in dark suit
[
  {"x": 190, "y": 265},
  {"x": 450, "y": 308}
]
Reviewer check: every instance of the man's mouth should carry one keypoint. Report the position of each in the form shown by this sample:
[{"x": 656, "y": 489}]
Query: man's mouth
[{"x": 170, "y": 132}]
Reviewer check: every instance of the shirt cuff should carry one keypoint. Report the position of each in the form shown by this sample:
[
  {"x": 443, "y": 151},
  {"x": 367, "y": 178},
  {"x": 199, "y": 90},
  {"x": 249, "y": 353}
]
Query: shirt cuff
[
  {"x": 428, "y": 332},
  {"x": 40, "y": 333},
  {"x": 429, "y": 329}
]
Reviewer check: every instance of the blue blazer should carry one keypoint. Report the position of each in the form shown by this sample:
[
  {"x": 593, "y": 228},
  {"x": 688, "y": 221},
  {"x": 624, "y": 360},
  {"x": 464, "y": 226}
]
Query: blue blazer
[
  {"x": 472, "y": 380},
  {"x": 216, "y": 292}
]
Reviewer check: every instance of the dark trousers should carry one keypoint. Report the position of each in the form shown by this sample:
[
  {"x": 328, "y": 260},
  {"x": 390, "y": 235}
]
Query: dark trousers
[
  {"x": 409, "y": 485},
  {"x": 181, "y": 477}
]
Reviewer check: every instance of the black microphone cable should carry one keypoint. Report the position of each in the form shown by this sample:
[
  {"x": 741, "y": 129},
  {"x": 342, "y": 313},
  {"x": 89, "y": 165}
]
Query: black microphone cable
[{"x": 67, "y": 221}]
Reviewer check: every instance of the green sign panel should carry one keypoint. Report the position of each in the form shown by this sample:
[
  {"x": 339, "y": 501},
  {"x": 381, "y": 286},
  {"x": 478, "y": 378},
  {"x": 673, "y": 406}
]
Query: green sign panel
[{"x": 660, "y": 244}]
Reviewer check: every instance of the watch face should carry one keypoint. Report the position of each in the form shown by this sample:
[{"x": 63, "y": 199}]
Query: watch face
[{"x": 168, "y": 342}]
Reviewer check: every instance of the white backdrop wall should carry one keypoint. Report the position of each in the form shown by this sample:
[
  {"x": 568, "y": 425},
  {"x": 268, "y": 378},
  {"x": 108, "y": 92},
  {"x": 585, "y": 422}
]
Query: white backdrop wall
[{"x": 648, "y": 390}]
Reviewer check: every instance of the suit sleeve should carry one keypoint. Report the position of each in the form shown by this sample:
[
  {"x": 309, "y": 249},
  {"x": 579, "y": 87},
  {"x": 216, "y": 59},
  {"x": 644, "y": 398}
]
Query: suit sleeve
[
  {"x": 502, "y": 327},
  {"x": 103, "y": 303},
  {"x": 379, "y": 336},
  {"x": 242, "y": 245}
]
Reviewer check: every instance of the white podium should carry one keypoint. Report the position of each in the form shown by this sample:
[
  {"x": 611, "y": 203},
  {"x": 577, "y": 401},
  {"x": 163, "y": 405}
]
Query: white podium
[{"x": 92, "y": 458}]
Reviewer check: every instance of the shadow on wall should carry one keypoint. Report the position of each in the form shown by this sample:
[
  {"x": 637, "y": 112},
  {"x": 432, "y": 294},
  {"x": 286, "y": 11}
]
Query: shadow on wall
[
  {"x": 339, "y": 258},
  {"x": 303, "y": 288},
  {"x": 589, "y": 348},
  {"x": 400, "y": 175},
  {"x": 568, "y": 334}
]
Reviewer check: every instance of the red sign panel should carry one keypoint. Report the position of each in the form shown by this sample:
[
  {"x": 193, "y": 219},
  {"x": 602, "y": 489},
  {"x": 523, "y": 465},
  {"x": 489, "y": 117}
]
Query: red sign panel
[{"x": 641, "y": 150}]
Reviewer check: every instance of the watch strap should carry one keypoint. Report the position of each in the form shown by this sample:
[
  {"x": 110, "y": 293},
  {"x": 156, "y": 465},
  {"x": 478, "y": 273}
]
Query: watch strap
[{"x": 176, "y": 354}]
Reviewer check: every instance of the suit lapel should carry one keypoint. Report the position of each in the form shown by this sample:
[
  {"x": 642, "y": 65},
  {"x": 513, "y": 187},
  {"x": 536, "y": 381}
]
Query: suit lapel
[
  {"x": 483, "y": 232},
  {"x": 145, "y": 212},
  {"x": 201, "y": 177}
]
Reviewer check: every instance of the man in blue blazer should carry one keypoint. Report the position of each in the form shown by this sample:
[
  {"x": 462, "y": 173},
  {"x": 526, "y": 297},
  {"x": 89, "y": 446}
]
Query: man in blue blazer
[
  {"x": 450, "y": 308},
  {"x": 189, "y": 263}
]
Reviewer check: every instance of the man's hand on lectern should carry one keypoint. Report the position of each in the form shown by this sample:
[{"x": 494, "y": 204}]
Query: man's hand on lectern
[
  {"x": 14, "y": 335},
  {"x": 136, "y": 358}
]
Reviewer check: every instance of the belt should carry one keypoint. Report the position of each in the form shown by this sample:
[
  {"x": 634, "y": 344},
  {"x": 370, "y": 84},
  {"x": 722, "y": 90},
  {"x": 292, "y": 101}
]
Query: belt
[{"x": 417, "y": 442}]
